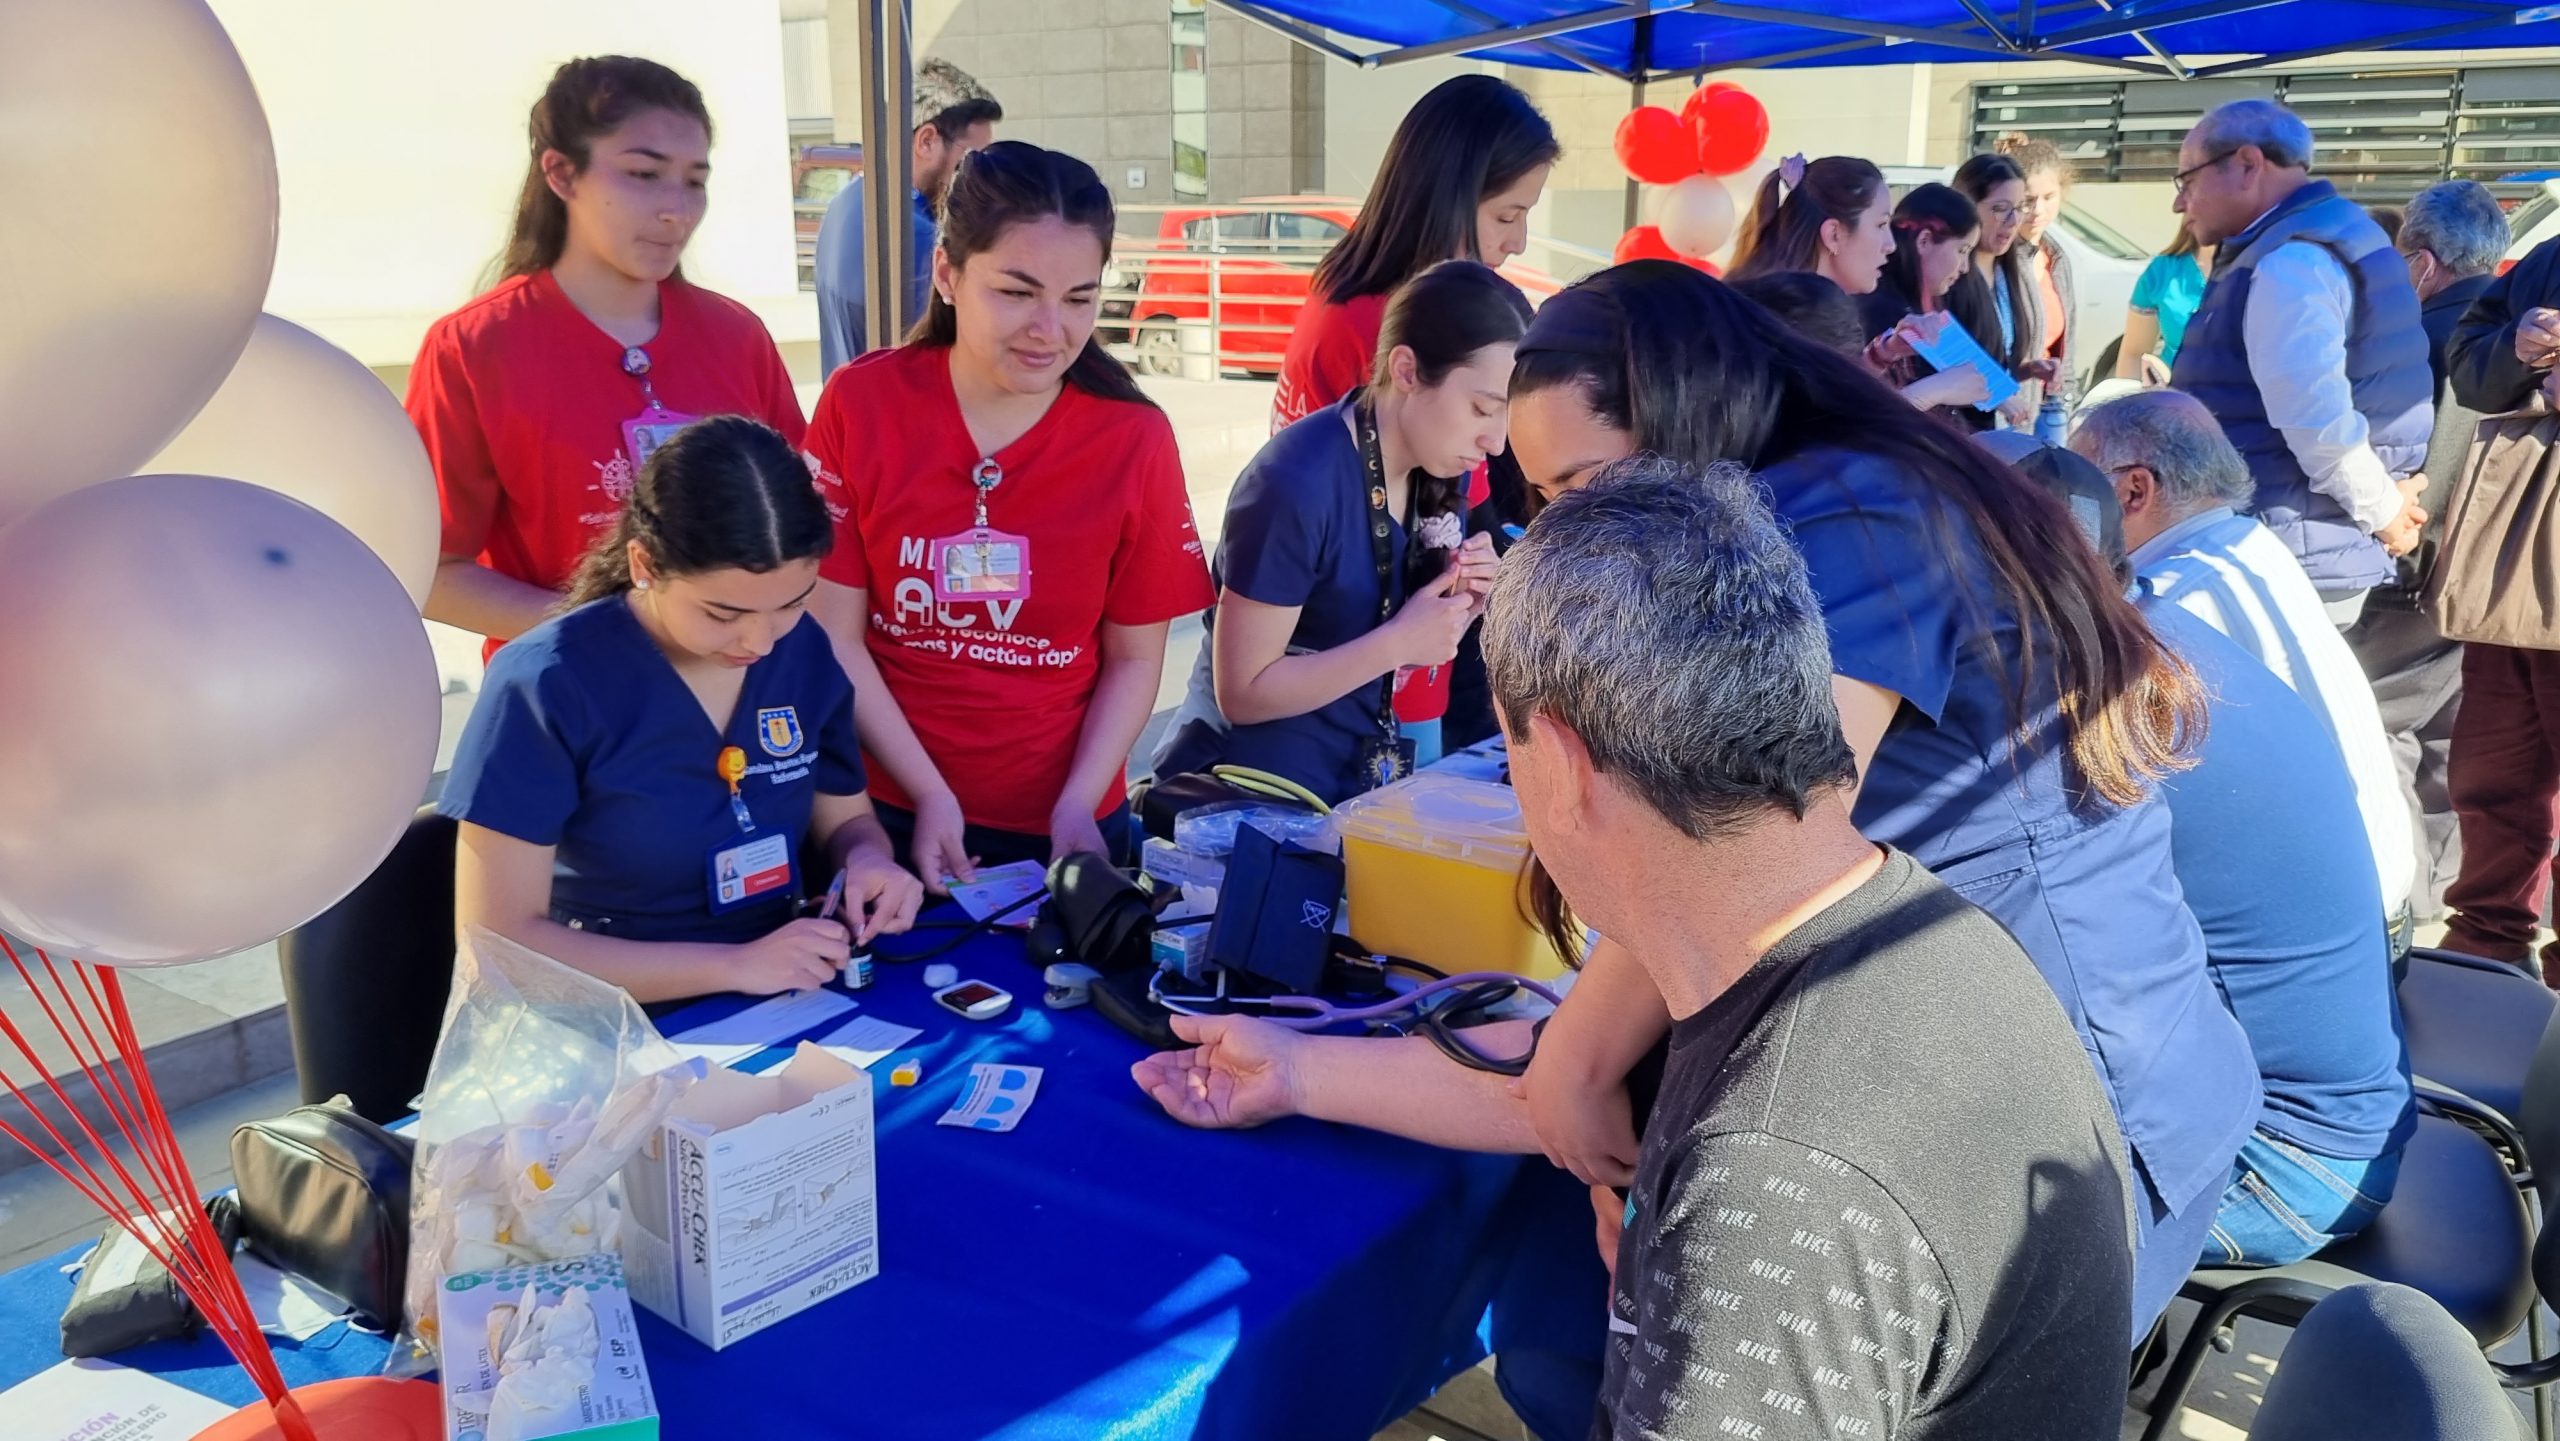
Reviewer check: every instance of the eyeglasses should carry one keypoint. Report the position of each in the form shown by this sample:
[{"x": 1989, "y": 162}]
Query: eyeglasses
[
  {"x": 2179, "y": 180},
  {"x": 2005, "y": 210}
]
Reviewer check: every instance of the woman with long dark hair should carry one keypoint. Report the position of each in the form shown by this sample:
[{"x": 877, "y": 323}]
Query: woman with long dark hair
[
  {"x": 1344, "y": 560},
  {"x": 1461, "y": 173},
  {"x": 1013, "y": 534},
  {"x": 2010, "y": 712},
  {"x": 1832, "y": 216},
  {"x": 2000, "y": 284},
  {"x": 540, "y": 400},
  {"x": 1934, "y": 231},
  {"x": 642, "y": 770}
]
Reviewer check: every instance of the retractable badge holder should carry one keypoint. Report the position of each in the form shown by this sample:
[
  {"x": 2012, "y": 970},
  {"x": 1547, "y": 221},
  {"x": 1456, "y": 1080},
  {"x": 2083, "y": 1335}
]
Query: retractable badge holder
[
  {"x": 655, "y": 425},
  {"x": 982, "y": 563},
  {"x": 751, "y": 865}
]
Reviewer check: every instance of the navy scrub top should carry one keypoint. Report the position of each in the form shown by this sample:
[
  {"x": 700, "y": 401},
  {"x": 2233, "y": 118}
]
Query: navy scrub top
[
  {"x": 2088, "y": 890},
  {"x": 1297, "y": 534},
  {"x": 2271, "y": 851},
  {"x": 586, "y": 740}
]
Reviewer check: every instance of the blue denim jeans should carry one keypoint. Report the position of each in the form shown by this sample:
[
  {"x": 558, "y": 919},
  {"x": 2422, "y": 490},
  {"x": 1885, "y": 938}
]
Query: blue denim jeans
[{"x": 2284, "y": 1202}]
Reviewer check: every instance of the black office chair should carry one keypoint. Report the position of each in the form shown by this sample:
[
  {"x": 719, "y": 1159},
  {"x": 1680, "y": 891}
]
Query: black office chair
[
  {"x": 365, "y": 981},
  {"x": 2378, "y": 1362},
  {"x": 2456, "y": 1230},
  {"x": 2474, "y": 1025}
]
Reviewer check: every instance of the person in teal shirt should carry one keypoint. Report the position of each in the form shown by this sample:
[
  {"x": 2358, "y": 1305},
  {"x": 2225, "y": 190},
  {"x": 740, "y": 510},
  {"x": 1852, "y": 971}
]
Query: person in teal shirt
[{"x": 2164, "y": 297}]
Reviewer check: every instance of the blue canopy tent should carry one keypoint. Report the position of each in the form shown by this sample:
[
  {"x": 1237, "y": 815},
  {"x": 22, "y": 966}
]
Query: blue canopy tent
[{"x": 1661, "y": 39}]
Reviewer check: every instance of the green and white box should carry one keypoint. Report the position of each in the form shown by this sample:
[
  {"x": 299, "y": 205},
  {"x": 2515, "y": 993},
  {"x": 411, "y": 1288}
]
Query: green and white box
[
  {"x": 601, "y": 1386},
  {"x": 756, "y": 1200}
]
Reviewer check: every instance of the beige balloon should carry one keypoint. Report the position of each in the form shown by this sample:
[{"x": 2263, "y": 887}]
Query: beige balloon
[
  {"x": 300, "y": 416},
  {"x": 137, "y": 237},
  {"x": 1696, "y": 216},
  {"x": 218, "y": 709}
]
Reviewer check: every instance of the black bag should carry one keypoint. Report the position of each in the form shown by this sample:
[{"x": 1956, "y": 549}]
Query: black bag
[
  {"x": 125, "y": 1298},
  {"x": 324, "y": 1195}
]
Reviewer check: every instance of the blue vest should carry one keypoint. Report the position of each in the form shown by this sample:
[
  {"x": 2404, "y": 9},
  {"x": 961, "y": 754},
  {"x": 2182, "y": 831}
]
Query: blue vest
[{"x": 2387, "y": 370}]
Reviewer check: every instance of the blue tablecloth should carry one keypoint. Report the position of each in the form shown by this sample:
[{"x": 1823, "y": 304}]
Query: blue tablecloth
[{"x": 1099, "y": 1272}]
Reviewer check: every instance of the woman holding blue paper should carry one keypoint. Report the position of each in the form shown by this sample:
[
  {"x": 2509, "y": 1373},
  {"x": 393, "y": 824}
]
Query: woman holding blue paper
[
  {"x": 1344, "y": 558},
  {"x": 644, "y": 769}
]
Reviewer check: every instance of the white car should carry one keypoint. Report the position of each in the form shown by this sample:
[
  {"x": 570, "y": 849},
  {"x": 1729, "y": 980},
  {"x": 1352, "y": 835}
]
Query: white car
[
  {"x": 2533, "y": 222},
  {"x": 2104, "y": 266}
]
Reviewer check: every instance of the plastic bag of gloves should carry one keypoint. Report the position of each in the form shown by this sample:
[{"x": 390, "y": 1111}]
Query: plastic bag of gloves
[{"x": 545, "y": 1081}]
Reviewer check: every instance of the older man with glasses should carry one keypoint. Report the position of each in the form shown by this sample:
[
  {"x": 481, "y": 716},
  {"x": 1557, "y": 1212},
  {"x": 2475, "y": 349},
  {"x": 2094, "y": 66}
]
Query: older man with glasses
[{"x": 2308, "y": 349}]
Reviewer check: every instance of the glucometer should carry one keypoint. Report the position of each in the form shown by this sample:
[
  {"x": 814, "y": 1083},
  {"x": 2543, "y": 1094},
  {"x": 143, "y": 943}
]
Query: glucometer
[{"x": 974, "y": 999}]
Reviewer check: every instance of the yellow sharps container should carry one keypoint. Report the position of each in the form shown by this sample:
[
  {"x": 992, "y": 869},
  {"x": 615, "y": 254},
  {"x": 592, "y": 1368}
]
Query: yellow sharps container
[{"x": 1434, "y": 864}]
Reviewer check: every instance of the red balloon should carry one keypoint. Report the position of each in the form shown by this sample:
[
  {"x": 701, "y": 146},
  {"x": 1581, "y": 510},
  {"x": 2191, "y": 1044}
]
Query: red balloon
[
  {"x": 1698, "y": 97},
  {"x": 1645, "y": 242},
  {"x": 1730, "y": 130},
  {"x": 1655, "y": 147}
]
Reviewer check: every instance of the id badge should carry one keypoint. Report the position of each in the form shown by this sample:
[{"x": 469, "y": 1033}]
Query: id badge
[
  {"x": 981, "y": 564},
  {"x": 748, "y": 869},
  {"x": 642, "y": 434}
]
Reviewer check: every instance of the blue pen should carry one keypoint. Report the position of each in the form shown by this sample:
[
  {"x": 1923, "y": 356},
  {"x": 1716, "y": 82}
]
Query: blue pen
[
  {"x": 1514, "y": 532},
  {"x": 835, "y": 898}
]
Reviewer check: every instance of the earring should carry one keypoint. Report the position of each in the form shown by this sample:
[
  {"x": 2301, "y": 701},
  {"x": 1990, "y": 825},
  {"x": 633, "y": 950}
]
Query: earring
[{"x": 639, "y": 582}]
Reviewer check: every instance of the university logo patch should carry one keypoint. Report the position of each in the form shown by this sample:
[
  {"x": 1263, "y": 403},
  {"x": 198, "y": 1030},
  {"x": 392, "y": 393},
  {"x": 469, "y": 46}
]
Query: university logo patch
[{"x": 778, "y": 729}]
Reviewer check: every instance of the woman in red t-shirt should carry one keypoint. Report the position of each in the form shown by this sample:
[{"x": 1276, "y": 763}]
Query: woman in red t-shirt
[
  {"x": 1013, "y": 535},
  {"x": 1466, "y": 165},
  {"x": 539, "y": 400}
]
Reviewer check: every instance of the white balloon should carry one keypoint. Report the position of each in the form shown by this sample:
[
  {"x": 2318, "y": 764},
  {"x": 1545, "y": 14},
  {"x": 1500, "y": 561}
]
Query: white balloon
[
  {"x": 218, "y": 710},
  {"x": 137, "y": 238},
  {"x": 1696, "y": 216},
  {"x": 300, "y": 416}
]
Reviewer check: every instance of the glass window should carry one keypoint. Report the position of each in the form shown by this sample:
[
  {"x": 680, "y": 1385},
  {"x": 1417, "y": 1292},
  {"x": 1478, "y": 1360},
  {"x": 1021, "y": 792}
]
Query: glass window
[
  {"x": 1303, "y": 229},
  {"x": 1242, "y": 226}
]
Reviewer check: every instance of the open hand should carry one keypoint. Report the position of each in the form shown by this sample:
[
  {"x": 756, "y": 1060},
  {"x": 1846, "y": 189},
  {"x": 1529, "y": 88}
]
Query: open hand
[{"x": 1239, "y": 1072}]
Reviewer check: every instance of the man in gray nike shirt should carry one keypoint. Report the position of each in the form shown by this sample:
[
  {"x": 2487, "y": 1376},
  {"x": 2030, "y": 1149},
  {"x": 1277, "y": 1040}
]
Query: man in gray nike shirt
[{"x": 1879, "y": 1194}]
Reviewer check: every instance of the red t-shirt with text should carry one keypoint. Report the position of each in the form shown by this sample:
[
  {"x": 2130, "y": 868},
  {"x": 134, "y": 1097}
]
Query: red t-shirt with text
[
  {"x": 521, "y": 399},
  {"x": 996, "y": 689}
]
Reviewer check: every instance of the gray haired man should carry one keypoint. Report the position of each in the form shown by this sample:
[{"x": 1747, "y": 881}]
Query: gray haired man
[
  {"x": 2307, "y": 347},
  {"x": 2181, "y": 485},
  {"x": 954, "y": 115},
  {"x": 1878, "y": 1194}
]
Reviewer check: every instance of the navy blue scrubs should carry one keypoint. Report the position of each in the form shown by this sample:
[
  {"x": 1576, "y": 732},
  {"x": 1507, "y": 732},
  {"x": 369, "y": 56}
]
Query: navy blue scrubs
[
  {"x": 2087, "y": 889},
  {"x": 1297, "y": 534},
  {"x": 585, "y": 739}
]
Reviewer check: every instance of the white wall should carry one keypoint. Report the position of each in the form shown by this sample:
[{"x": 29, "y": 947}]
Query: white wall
[{"x": 400, "y": 143}]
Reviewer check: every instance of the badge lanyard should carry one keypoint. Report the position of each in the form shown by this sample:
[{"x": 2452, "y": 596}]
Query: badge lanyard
[
  {"x": 655, "y": 425},
  {"x": 749, "y": 866},
  {"x": 982, "y": 563},
  {"x": 1388, "y": 756}
]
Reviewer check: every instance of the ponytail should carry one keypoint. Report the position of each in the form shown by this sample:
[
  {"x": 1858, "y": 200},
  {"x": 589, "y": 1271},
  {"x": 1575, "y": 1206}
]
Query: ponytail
[
  {"x": 1784, "y": 229},
  {"x": 1013, "y": 183},
  {"x": 727, "y": 493},
  {"x": 1444, "y": 316}
]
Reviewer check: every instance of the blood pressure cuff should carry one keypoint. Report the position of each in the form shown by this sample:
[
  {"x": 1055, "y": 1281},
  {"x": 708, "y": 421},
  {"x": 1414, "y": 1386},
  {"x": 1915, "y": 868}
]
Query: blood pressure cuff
[
  {"x": 324, "y": 1195},
  {"x": 1102, "y": 918},
  {"x": 124, "y": 1297},
  {"x": 1275, "y": 912}
]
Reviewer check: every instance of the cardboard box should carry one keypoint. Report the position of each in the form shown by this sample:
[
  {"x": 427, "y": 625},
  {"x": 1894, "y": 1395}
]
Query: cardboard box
[
  {"x": 615, "y": 1406},
  {"x": 755, "y": 1201}
]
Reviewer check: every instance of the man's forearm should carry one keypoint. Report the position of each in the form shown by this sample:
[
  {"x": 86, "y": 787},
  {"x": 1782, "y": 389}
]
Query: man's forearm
[{"x": 1407, "y": 1087}]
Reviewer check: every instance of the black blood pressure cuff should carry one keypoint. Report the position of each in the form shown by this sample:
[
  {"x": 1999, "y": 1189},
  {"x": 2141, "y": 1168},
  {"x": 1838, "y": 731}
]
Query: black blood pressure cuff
[{"x": 1275, "y": 912}]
